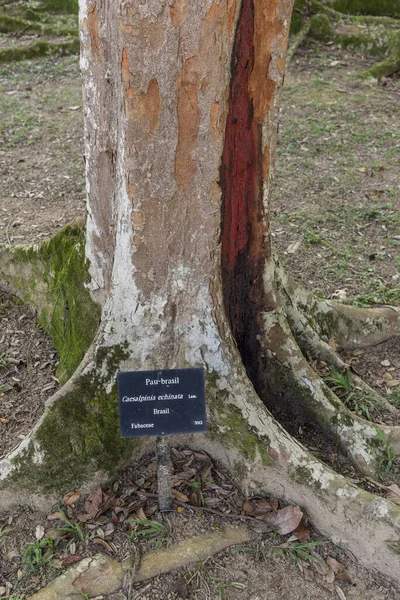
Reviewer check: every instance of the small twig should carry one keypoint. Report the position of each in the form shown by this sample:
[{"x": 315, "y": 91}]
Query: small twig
[
  {"x": 140, "y": 592},
  {"x": 19, "y": 33},
  {"x": 7, "y": 229},
  {"x": 204, "y": 508}
]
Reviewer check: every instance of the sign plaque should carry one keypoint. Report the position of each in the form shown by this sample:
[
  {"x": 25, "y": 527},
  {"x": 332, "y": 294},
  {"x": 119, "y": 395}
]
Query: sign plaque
[{"x": 161, "y": 402}]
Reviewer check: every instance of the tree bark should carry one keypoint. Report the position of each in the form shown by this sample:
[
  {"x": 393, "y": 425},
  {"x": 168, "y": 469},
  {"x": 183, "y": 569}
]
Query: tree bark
[{"x": 181, "y": 115}]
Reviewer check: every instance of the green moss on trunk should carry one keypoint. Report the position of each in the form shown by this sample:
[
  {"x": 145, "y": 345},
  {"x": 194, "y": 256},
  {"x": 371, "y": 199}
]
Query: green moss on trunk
[
  {"x": 79, "y": 435},
  {"x": 68, "y": 314}
]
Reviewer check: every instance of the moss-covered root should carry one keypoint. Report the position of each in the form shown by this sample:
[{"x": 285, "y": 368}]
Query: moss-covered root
[
  {"x": 10, "y": 24},
  {"x": 386, "y": 67},
  {"x": 343, "y": 325},
  {"x": 297, "y": 41},
  {"x": 78, "y": 436},
  {"x": 359, "y": 522},
  {"x": 40, "y": 48},
  {"x": 52, "y": 277},
  {"x": 366, "y": 7}
]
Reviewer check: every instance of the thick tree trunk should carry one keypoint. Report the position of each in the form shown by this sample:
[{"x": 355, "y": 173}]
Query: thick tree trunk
[{"x": 181, "y": 113}]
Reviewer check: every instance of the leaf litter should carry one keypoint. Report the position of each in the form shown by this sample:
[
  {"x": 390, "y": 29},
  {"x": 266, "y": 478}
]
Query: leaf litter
[{"x": 124, "y": 519}]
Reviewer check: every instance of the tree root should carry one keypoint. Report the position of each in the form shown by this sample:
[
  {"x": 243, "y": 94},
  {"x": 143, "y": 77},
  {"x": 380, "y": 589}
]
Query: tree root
[
  {"x": 386, "y": 67},
  {"x": 347, "y": 327},
  {"x": 313, "y": 346},
  {"x": 373, "y": 35},
  {"x": 359, "y": 439},
  {"x": 72, "y": 439},
  {"x": 297, "y": 41},
  {"x": 9, "y": 24},
  {"x": 263, "y": 458},
  {"x": 369, "y": 7},
  {"x": 40, "y": 48}
]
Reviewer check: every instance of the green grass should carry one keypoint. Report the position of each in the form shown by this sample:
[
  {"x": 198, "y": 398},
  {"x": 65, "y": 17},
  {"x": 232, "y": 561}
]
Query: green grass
[
  {"x": 73, "y": 530},
  {"x": 297, "y": 550},
  {"x": 38, "y": 554},
  {"x": 4, "y": 388},
  {"x": 356, "y": 400},
  {"x": 387, "y": 460},
  {"x": 5, "y": 530},
  {"x": 395, "y": 398},
  {"x": 380, "y": 295},
  {"x": 146, "y": 530}
]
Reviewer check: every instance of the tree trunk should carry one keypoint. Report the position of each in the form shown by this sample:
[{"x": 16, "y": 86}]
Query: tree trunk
[{"x": 181, "y": 114}]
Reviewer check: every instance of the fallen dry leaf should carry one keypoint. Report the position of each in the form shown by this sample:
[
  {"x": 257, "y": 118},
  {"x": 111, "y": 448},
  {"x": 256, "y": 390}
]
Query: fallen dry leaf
[
  {"x": 340, "y": 592},
  {"x": 72, "y": 558},
  {"x": 335, "y": 565},
  {"x": 141, "y": 514},
  {"x": 319, "y": 564},
  {"x": 358, "y": 352},
  {"x": 179, "y": 496},
  {"x": 71, "y": 498},
  {"x": 284, "y": 520},
  {"x": 248, "y": 507},
  {"x": 293, "y": 247},
  {"x": 202, "y": 457},
  {"x": 83, "y": 518},
  {"x": 301, "y": 533},
  {"x": 393, "y": 383},
  {"x": 93, "y": 502},
  {"x": 3, "y": 421},
  {"x": 333, "y": 344},
  {"x": 259, "y": 526},
  {"x": 393, "y": 493},
  {"x": 330, "y": 576},
  {"x": 344, "y": 576},
  {"x": 56, "y": 515},
  {"x": 103, "y": 543}
]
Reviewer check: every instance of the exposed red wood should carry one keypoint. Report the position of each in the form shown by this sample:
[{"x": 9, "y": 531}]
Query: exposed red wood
[{"x": 242, "y": 239}]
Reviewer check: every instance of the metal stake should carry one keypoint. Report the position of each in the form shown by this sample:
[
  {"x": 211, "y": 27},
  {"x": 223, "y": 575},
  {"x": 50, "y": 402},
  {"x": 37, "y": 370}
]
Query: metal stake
[{"x": 164, "y": 473}]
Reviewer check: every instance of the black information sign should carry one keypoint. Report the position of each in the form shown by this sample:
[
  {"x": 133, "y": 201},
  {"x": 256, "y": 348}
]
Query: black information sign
[{"x": 161, "y": 402}]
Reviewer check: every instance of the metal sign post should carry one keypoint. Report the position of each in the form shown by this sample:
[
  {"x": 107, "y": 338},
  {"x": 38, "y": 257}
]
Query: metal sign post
[{"x": 161, "y": 403}]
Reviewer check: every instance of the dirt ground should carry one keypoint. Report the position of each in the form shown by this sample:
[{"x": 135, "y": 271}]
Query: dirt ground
[
  {"x": 35, "y": 547},
  {"x": 337, "y": 228}
]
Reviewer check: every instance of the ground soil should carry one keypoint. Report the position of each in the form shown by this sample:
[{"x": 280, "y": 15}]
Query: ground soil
[
  {"x": 104, "y": 521},
  {"x": 336, "y": 226},
  {"x": 27, "y": 365}
]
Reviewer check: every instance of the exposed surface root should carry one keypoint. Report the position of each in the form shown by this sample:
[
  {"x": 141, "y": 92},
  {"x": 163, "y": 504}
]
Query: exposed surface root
[
  {"x": 377, "y": 36},
  {"x": 41, "y": 48},
  {"x": 10, "y": 24},
  {"x": 364, "y": 327},
  {"x": 297, "y": 40},
  {"x": 346, "y": 327},
  {"x": 301, "y": 391},
  {"x": 317, "y": 349}
]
